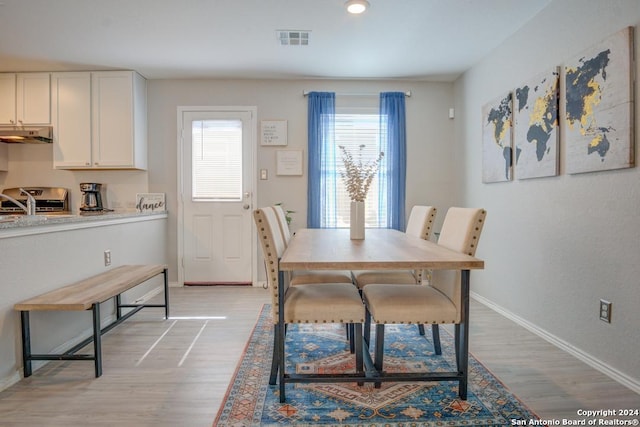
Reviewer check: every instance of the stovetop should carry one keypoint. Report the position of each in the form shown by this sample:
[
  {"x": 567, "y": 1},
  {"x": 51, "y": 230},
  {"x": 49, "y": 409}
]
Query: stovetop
[{"x": 50, "y": 200}]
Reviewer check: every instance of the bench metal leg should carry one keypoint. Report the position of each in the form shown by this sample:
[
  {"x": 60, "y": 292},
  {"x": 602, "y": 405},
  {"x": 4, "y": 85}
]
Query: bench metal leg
[
  {"x": 97, "y": 344},
  {"x": 166, "y": 294},
  {"x": 26, "y": 344},
  {"x": 118, "y": 306}
]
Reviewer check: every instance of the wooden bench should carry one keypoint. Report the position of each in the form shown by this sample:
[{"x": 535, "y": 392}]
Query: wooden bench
[{"x": 84, "y": 295}]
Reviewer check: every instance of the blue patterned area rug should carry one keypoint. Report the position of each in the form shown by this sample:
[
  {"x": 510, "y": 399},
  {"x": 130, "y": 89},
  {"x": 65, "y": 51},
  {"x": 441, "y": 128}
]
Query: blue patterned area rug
[{"x": 251, "y": 401}]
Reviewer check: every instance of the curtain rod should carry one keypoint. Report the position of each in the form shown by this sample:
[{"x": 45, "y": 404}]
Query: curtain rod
[{"x": 406, "y": 93}]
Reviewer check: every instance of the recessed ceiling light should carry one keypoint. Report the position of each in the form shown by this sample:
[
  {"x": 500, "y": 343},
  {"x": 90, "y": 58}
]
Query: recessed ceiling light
[{"x": 356, "y": 6}]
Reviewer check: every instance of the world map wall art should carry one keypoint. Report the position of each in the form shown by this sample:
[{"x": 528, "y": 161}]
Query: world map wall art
[
  {"x": 521, "y": 131},
  {"x": 599, "y": 106},
  {"x": 535, "y": 128},
  {"x": 496, "y": 140}
]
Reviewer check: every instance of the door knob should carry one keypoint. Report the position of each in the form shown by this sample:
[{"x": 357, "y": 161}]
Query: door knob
[{"x": 246, "y": 207}]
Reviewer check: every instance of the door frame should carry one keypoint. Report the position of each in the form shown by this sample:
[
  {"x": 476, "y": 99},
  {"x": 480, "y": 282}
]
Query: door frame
[{"x": 254, "y": 182}]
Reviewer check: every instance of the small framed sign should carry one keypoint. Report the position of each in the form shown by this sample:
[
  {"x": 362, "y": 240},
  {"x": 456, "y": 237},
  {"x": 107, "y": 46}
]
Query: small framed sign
[
  {"x": 289, "y": 162},
  {"x": 274, "y": 132},
  {"x": 150, "y": 202}
]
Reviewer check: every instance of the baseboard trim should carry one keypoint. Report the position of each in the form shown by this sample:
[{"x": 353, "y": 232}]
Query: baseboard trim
[
  {"x": 616, "y": 375},
  {"x": 10, "y": 380}
]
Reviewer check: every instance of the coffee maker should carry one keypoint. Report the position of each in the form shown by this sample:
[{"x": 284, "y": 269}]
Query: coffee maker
[{"x": 91, "y": 197}]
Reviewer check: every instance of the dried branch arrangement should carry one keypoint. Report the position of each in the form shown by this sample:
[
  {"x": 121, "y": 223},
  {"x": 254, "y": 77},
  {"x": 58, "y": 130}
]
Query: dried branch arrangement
[{"x": 357, "y": 174}]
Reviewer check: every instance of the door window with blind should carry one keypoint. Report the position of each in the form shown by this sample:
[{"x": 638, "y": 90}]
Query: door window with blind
[
  {"x": 216, "y": 160},
  {"x": 354, "y": 131}
]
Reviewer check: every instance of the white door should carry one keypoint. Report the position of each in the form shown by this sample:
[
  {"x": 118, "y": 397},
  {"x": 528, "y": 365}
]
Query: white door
[{"x": 217, "y": 177}]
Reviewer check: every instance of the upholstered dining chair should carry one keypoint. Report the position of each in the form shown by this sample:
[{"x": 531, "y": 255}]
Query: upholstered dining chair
[
  {"x": 435, "y": 303},
  {"x": 420, "y": 224},
  {"x": 306, "y": 303},
  {"x": 308, "y": 276}
]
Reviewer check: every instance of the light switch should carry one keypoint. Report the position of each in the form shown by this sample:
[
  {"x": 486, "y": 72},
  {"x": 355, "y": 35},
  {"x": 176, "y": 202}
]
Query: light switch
[{"x": 263, "y": 174}]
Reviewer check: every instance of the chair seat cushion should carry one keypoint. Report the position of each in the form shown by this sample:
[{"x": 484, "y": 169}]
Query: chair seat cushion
[
  {"x": 323, "y": 303},
  {"x": 367, "y": 277},
  {"x": 392, "y": 303},
  {"x": 302, "y": 277}
]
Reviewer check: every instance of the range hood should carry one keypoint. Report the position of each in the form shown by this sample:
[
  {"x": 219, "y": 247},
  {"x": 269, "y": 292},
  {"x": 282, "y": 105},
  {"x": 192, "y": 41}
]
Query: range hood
[{"x": 26, "y": 134}]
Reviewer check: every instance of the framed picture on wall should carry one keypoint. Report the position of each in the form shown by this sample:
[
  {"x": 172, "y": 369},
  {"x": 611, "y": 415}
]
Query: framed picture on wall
[
  {"x": 273, "y": 132},
  {"x": 535, "y": 126},
  {"x": 289, "y": 162},
  {"x": 497, "y": 139},
  {"x": 599, "y": 101}
]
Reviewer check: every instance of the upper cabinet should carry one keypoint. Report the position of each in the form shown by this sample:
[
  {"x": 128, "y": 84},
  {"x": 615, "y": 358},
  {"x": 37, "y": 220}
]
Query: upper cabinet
[
  {"x": 7, "y": 99},
  {"x": 71, "y": 108},
  {"x": 99, "y": 120},
  {"x": 25, "y": 99}
]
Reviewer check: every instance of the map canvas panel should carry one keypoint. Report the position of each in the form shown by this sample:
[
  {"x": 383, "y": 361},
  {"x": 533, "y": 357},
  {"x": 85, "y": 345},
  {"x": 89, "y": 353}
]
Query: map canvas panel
[
  {"x": 599, "y": 106},
  {"x": 496, "y": 140},
  {"x": 535, "y": 128}
]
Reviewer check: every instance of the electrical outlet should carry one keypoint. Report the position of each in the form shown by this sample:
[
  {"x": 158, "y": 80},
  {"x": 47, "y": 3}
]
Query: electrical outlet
[
  {"x": 107, "y": 258},
  {"x": 605, "y": 311}
]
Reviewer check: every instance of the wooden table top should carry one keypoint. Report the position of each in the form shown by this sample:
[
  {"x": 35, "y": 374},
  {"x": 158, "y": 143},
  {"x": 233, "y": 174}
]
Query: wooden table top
[{"x": 382, "y": 249}]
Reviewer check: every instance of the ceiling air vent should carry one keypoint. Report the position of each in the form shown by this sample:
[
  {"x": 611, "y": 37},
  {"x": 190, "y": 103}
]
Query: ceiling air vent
[{"x": 293, "y": 37}]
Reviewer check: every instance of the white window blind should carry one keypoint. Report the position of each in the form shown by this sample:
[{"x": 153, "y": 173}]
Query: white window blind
[
  {"x": 216, "y": 160},
  {"x": 352, "y": 131}
]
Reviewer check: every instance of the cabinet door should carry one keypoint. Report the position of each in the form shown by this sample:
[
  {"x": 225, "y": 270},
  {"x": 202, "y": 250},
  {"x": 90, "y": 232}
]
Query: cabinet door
[
  {"x": 71, "y": 119},
  {"x": 7, "y": 99},
  {"x": 112, "y": 102},
  {"x": 33, "y": 99}
]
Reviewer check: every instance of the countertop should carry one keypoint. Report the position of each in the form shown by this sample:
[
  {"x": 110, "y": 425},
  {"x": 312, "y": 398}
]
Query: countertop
[{"x": 23, "y": 225}]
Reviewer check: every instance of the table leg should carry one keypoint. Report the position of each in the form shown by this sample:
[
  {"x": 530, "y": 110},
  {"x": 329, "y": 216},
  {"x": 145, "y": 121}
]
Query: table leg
[
  {"x": 281, "y": 334},
  {"x": 463, "y": 354}
]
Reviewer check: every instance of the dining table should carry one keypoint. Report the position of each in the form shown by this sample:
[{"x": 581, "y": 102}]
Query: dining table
[{"x": 386, "y": 249}]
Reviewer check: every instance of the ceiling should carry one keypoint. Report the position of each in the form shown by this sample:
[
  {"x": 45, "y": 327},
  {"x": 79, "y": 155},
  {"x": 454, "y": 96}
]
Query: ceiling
[{"x": 394, "y": 39}]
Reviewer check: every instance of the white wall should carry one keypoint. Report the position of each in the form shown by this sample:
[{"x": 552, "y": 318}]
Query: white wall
[
  {"x": 554, "y": 247},
  {"x": 429, "y": 134}
]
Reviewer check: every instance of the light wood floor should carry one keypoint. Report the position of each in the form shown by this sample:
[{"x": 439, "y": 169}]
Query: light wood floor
[{"x": 181, "y": 379}]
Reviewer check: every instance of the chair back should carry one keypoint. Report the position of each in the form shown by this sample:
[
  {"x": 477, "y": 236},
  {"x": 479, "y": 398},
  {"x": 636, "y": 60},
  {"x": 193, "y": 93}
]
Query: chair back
[
  {"x": 273, "y": 247},
  {"x": 420, "y": 224},
  {"x": 420, "y": 221},
  {"x": 283, "y": 225},
  {"x": 460, "y": 232}
]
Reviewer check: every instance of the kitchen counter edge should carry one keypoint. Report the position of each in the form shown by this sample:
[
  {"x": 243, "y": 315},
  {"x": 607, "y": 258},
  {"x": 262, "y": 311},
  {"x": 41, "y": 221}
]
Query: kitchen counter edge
[{"x": 74, "y": 222}]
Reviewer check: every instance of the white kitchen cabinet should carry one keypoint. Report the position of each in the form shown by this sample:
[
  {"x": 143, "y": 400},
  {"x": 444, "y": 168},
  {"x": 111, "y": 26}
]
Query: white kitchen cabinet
[
  {"x": 110, "y": 130},
  {"x": 71, "y": 119},
  {"x": 7, "y": 99},
  {"x": 25, "y": 99},
  {"x": 119, "y": 117}
]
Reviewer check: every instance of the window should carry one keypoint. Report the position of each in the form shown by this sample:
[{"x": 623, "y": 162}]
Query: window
[
  {"x": 352, "y": 131},
  {"x": 216, "y": 160},
  {"x": 327, "y": 202}
]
